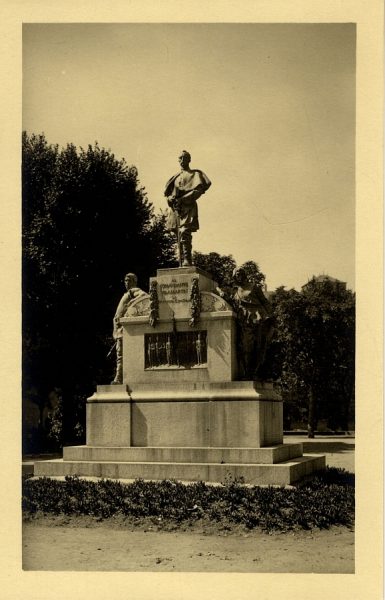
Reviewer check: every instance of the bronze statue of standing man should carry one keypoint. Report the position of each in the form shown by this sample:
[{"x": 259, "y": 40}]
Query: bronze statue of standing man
[{"x": 182, "y": 191}]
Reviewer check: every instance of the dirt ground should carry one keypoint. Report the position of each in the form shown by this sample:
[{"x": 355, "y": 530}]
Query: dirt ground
[
  {"x": 86, "y": 544},
  {"x": 78, "y": 544}
]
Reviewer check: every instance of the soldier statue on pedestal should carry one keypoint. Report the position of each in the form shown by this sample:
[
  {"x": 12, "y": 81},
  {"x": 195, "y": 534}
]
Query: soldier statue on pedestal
[{"x": 182, "y": 191}]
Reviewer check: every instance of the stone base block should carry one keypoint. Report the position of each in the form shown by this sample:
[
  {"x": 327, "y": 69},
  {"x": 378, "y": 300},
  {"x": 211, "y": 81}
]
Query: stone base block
[
  {"x": 232, "y": 415},
  {"x": 202, "y": 431},
  {"x": 109, "y": 424},
  {"x": 269, "y": 455},
  {"x": 284, "y": 473}
]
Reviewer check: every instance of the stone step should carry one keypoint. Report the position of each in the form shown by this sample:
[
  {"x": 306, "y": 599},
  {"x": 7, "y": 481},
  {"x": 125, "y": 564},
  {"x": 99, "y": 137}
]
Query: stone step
[
  {"x": 284, "y": 473},
  {"x": 267, "y": 455},
  {"x": 27, "y": 468}
]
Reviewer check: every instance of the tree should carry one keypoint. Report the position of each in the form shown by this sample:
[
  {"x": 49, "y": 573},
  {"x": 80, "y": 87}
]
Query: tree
[
  {"x": 315, "y": 332},
  {"x": 221, "y": 268},
  {"x": 253, "y": 273},
  {"x": 86, "y": 222}
]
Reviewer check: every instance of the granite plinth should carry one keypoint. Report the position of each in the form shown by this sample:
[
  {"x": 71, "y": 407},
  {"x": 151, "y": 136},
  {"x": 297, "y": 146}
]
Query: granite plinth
[
  {"x": 233, "y": 415},
  {"x": 284, "y": 473},
  {"x": 192, "y": 432},
  {"x": 267, "y": 455}
]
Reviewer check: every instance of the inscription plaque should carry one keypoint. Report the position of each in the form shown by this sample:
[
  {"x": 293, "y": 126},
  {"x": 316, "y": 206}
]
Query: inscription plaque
[{"x": 174, "y": 290}]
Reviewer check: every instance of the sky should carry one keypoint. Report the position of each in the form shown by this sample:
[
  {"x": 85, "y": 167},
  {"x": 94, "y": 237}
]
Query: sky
[{"x": 267, "y": 111}]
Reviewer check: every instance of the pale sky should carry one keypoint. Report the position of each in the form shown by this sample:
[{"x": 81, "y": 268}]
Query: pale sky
[{"x": 267, "y": 111}]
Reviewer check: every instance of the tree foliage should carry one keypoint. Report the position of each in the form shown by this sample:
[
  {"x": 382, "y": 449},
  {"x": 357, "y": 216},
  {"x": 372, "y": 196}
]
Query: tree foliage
[
  {"x": 314, "y": 348},
  {"x": 86, "y": 222},
  {"x": 221, "y": 267},
  {"x": 253, "y": 272}
]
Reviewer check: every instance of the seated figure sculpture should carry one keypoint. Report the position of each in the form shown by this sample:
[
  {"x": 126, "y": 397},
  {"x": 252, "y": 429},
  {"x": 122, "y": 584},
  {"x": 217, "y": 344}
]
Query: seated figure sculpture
[{"x": 182, "y": 192}]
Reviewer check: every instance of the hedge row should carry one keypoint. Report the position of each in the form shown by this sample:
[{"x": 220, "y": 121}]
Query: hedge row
[{"x": 324, "y": 501}]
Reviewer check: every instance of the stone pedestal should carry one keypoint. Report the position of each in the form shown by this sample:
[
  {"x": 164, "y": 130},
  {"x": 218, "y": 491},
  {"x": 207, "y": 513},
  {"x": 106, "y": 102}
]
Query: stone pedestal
[
  {"x": 239, "y": 414},
  {"x": 215, "y": 326},
  {"x": 180, "y": 412}
]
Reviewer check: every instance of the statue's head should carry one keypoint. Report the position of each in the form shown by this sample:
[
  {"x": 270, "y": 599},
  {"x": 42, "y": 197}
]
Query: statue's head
[
  {"x": 184, "y": 159},
  {"x": 130, "y": 280},
  {"x": 239, "y": 275}
]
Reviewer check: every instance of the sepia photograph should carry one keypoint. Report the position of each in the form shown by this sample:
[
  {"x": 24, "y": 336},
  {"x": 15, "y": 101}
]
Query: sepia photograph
[
  {"x": 193, "y": 339},
  {"x": 189, "y": 342}
]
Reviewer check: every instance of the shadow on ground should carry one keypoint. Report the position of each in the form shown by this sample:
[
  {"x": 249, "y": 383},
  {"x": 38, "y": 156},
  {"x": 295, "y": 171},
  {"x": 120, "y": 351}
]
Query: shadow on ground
[{"x": 329, "y": 447}]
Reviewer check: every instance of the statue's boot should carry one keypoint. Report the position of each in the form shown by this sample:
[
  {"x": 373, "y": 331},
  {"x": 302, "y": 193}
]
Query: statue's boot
[{"x": 118, "y": 379}]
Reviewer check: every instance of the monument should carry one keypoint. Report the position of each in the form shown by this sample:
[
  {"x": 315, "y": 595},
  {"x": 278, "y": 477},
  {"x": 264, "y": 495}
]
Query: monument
[
  {"x": 182, "y": 192},
  {"x": 185, "y": 403}
]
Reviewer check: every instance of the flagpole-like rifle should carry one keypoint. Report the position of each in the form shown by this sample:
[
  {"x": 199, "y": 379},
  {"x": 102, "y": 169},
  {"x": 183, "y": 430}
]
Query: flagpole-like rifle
[{"x": 111, "y": 349}]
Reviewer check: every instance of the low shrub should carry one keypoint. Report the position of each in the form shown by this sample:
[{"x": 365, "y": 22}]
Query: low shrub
[{"x": 322, "y": 502}]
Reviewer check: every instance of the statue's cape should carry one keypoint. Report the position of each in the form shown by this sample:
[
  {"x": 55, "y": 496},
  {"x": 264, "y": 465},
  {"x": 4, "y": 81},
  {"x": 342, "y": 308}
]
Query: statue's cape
[{"x": 198, "y": 178}]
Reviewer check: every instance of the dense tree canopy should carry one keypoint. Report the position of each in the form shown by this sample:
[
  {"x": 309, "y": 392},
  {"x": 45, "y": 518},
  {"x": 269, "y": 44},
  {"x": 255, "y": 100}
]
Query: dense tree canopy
[
  {"x": 313, "y": 352},
  {"x": 86, "y": 222}
]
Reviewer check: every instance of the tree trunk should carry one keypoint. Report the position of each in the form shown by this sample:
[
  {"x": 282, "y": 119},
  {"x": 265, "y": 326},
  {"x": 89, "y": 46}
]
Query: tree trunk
[{"x": 312, "y": 418}]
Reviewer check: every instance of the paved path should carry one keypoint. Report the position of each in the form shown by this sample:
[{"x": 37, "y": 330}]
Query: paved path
[{"x": 339, "y": 450}]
